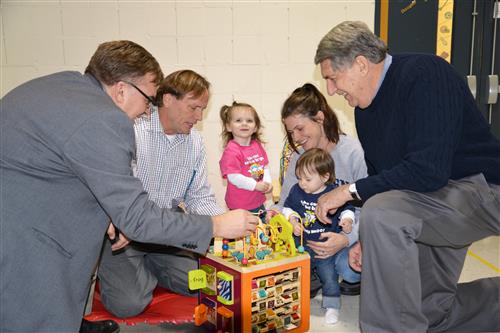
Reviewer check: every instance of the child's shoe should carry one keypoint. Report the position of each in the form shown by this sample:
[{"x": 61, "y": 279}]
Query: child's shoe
[{"x": 331, "y": 316}]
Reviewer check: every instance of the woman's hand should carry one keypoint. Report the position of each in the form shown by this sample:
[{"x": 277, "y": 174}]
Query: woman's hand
[{"x": 333, "y": 244}]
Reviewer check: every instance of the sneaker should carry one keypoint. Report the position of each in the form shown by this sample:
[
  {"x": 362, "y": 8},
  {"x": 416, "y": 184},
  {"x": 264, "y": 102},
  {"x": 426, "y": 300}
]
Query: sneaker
[{"x": 331, "y": 316}]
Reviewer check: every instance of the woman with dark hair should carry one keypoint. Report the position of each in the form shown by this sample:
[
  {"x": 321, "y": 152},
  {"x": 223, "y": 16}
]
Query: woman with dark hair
[{"x": 311, "y": 123}]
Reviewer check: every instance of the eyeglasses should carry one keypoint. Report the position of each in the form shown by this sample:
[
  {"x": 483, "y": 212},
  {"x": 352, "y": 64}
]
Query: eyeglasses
[{"x": 151, "y": 99}]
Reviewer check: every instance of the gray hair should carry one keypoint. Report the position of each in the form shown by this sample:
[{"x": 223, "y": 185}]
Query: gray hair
[{"x": 348, "y": 40}]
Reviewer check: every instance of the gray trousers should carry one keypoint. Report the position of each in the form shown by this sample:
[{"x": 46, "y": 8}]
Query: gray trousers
[
  {"x": 127, "y": 278},
  {"x": 414, "y": 247}
]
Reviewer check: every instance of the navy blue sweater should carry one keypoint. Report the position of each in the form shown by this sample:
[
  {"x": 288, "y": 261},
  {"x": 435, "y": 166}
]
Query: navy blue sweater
[{"x": 422, "y": 129}]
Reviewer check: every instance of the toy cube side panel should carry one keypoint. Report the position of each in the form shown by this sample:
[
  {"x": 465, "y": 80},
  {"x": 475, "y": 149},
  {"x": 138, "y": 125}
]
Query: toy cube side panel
[
  {"x": 262, "y": 282},
  {"x": 227, "y": 295}
]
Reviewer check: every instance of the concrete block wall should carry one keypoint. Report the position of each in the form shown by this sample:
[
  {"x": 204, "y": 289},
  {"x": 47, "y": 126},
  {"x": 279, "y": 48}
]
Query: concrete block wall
[{"x": 251, "y": 51}]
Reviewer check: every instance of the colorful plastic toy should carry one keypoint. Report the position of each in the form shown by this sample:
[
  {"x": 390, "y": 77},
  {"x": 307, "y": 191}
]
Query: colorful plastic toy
[{"x": 254, "y": 285}]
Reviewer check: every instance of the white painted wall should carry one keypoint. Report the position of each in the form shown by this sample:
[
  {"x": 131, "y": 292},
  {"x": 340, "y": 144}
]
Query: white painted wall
[{"x": 252, "y": 51}]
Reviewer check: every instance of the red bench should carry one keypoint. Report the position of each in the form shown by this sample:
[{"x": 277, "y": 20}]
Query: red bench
[{"x": 166, "y": 307}]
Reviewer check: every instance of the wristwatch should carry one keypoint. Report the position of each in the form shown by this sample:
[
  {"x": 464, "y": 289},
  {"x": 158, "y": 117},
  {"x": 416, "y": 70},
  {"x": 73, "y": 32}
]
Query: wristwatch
[{"x": 354, "y": 192}]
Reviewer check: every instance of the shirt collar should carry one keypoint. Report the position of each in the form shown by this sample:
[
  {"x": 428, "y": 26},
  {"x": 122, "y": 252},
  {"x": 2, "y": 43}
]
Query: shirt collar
[
  {"x": 155, "y": 118},
  {"x": 387, "y": 63}
]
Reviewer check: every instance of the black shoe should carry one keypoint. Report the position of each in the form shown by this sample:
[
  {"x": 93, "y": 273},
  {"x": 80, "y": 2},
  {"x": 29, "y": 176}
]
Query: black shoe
[
  {"x": 102, "y": 326},
  {"x": 314, "y": 292},
  {"x": 350, "y": 289},
  {"x": 315, "y": 285}
]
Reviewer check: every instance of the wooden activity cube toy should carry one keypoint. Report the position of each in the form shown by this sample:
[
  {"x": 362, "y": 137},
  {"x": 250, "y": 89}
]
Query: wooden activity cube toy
[{"x": 256, "y": 285}]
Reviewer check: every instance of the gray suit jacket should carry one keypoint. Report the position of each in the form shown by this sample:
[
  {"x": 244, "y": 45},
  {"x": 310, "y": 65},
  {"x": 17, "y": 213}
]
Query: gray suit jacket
[{"x": 65, "y": 170}]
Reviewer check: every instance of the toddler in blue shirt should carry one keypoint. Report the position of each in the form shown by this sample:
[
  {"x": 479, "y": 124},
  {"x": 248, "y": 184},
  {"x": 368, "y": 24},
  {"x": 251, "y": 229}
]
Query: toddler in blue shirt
[{"x": 315, "y": 171}]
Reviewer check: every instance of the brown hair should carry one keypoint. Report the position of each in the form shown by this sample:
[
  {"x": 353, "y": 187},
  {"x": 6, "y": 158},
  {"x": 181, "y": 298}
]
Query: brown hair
[
  {"x": 308, "y": 101},
  {"x": 225, "y": 116},
  {"x": 122, "y": 60},
  {"x": 181, "y": 83},
  {"x": 316, "y": 160}
]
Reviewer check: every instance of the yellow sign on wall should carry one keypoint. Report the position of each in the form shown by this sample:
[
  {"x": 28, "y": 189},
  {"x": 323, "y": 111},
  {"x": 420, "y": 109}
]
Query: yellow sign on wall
[{"x": 444, "y": 29}]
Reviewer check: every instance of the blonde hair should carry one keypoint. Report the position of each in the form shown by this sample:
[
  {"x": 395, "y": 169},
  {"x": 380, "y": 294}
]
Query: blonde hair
[{"x": 225, "y": 116}]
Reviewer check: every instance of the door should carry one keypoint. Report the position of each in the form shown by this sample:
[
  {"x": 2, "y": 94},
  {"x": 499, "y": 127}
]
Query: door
[{"x": 474, "y": 41}]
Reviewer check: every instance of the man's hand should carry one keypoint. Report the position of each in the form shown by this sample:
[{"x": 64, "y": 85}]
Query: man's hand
[
  {"x": 234, "y": 224},
  {"x": 355, "y": 256},
  {"x": 122, "y": 240},
  {"x": 331, "y": 201}
]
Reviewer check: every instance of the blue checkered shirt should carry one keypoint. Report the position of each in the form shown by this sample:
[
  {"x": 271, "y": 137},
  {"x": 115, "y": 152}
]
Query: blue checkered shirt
[{"x": 173, "y": 168}]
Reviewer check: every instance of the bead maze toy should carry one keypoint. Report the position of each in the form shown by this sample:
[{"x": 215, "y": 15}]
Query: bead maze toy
[{"x": 256, "y": 284}]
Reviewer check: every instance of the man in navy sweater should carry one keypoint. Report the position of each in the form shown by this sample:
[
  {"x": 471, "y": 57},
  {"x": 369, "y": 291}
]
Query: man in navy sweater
[{"x": 432, "y": 190}]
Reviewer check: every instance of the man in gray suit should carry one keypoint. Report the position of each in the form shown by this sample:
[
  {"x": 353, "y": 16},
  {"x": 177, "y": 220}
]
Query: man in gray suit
[{"x": 67, "y": 144}]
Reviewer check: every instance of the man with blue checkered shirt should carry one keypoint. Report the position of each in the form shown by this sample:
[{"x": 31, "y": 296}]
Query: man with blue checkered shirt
[{"x": 171, "y": 163}]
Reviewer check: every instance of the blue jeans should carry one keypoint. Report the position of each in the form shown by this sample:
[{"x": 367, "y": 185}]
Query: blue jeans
[{"x": 328, "y": 271}]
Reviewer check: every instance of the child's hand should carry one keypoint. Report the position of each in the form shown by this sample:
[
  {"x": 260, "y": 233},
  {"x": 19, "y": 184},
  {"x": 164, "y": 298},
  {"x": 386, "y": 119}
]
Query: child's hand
[
  {"x": 297, "y": 227},
  {"x": 346, "y": 225},
  {"x": 263, "y": 187},
  {"x": 270, "y": 214}
]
